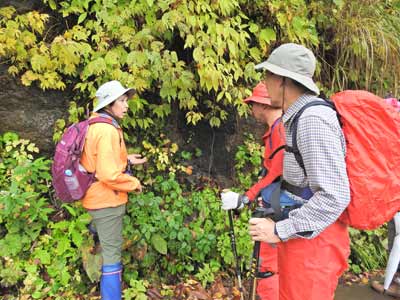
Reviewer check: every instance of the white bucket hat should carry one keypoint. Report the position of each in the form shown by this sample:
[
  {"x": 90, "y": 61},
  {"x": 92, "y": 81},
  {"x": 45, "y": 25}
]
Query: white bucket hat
[
  {"x": 109, "y": 92},
  {"x": 293, "y": 61}
]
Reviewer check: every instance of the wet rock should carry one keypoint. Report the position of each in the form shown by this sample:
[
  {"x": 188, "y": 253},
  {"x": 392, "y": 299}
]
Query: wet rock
[{"x": 30, "y": 111}]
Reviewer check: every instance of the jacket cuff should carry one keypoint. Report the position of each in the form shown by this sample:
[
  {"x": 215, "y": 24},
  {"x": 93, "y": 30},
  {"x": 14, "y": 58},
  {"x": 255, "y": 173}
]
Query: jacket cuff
[
  {"x": 250, "y": 195},
  {"x": 276, "y": 232},
  {"x": 285, "y": 229}
]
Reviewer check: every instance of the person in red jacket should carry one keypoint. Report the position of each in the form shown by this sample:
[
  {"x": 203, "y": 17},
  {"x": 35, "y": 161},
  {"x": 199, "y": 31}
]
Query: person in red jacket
[{"x": 274, "y": 141}]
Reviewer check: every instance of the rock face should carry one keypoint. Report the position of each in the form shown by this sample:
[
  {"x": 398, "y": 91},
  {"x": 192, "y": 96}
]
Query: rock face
[
  {"x": 22, "y": 5},
  {"x": 29, "y": 111},
  {"x": 218, "y": 145}
]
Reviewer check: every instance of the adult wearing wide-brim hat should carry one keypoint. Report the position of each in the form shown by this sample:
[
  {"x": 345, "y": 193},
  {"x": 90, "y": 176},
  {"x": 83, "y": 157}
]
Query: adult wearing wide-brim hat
[
  {"x": 313, "y": 247},
  {"x": 105, "y": 155},
  {"x": 109, "y": 92}
]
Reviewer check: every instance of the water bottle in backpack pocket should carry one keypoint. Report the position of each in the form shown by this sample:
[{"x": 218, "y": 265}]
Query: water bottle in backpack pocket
[{"x": 72, "y": 183}]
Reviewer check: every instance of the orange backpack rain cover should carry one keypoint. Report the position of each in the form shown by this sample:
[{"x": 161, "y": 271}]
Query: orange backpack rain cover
[{"x": 372, "y": 131}]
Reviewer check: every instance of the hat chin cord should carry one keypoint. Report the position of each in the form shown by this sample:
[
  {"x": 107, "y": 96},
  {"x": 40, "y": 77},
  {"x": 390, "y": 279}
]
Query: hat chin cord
[{"x": 283, "y": 95}]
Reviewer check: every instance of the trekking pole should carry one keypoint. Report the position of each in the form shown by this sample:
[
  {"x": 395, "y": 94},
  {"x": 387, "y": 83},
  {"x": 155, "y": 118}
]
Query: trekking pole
[
  {"x": 259, "y": 212},
  {"x": 233, "y": 245}
]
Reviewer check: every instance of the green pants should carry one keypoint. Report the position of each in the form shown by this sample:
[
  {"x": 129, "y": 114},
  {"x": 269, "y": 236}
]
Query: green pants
[{"x": 108, "y": 223}]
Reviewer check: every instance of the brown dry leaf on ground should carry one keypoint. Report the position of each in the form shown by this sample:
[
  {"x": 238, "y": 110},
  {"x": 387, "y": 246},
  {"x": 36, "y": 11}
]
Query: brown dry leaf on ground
[
  {"x": 235, "y": 293},
  {"x": 153, "y": 293},
  {"x": 217, "y": 289},
  {"x": 193, "y": 290},
  {"x": 198, "y": 295},
  {"x": 197, "y": 291},
  {"x": 365, "y": 280},
  {"x": 140, "y": 251},
  {"x": 349, "y": 279}
]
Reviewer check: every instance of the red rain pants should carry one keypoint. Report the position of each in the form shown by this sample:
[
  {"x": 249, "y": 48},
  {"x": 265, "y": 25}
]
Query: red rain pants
[
  {"x": 268, "y": 288},
  {"x": 310, "y": 269}
]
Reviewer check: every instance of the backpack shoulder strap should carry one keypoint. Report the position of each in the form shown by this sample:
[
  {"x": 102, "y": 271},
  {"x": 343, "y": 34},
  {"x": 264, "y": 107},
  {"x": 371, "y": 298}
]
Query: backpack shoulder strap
[
  {"x": 112, "y": 122},
  {"x": 273, "y": 128},
  {"x": 263, "y": 172},
  {"x": 276, "y": 151},
  {"x": 102, "y": 120},
  {"x": 294, "y": 148}
]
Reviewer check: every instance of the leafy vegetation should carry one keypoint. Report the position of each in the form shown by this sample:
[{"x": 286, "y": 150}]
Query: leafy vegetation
[
  {"x": 196, "y": 56},
  {"x": 47, "y": 250},
  {"x": 369, "y": 249}
]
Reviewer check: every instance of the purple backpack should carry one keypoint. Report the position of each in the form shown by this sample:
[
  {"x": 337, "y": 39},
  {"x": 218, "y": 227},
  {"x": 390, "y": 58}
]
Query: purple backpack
[{"x": 70, "y": 179}]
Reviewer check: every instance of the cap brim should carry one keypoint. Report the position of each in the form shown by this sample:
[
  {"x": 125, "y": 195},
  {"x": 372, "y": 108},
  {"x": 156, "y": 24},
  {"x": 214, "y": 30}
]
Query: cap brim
[
  {"x": 129, "y": 91},
  {"x": 303, "y": 80},
  {"x": 261, "y": 100}
]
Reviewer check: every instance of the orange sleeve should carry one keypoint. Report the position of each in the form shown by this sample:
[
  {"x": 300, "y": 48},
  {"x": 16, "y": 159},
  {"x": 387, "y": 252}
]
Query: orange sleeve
[
  {"x": 275, "y": 165},
  {"x": 108, "y": 162}
]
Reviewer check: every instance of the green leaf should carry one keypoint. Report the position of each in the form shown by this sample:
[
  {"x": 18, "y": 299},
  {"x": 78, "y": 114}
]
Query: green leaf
[
  {"x": 190, "y": 40},
  {"x": 44, "y": 256},
  {"x": 215, "y": 122},
  {"x": 63, "y": 246},
  {"x": 77, "y": 238},
  {"x": 339, "y": 3},
  {"x": 159, "y": 244},
  {"x": 198, "y": 54},
  {"x": 91, "y": 263},
  {"x": 232, "y": 48},
  {"x": 82, "y": 18},
  {"x": 267, "y": 35},
  {"x": 70, "y": 209},
  {"x": 112, "y": 58},
  {"x": 253, "y": 28},
  {"x": 255, "y": 53}
]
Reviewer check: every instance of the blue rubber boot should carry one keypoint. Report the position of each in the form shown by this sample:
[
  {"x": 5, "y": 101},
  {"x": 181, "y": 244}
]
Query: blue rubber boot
[{"x": 110, "y": 282}]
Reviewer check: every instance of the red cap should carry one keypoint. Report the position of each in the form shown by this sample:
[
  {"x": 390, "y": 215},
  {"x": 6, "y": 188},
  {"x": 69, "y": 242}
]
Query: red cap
[{"x": 260, "y": 95}]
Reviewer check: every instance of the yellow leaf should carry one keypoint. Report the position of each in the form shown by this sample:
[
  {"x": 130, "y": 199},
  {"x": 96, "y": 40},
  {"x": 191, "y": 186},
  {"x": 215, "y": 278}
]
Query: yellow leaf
[
  {"x": 28, "y": 38},
  {"x": 174, "y": 148},
  {"x": 11, "y": 42},
  {"x": 7, "y": 12},
  {"x": 189, "y": 170},
  {"x": 2, "y": 50},
  {"x": 28, "y": 77},
  {"x": 13, "y": 70},
  {"x": 40, "y": 62}
]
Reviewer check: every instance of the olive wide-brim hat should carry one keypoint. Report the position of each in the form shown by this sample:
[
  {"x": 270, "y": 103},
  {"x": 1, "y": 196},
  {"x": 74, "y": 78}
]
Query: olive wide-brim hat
[
  {"x": 293, "y": 61},
  {"x": 108, "y": 92}
]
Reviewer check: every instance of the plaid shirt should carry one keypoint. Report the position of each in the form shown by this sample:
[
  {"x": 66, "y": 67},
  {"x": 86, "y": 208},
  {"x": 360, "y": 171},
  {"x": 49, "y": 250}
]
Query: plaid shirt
[{"x": 323, "y": 148}]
